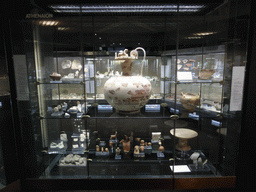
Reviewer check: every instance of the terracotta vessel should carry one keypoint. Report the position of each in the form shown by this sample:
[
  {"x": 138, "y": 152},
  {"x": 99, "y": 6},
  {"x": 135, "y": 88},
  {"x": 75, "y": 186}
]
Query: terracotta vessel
[
  {"x": 205, "y": 74},
  {"x": 127, "y": 94},
  {"x": 161, "y": 148},
  {"x": 190, "y": 101}
]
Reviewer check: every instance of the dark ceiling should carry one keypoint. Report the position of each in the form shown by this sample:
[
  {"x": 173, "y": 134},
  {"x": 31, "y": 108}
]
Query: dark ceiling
[{"x": 155, "y": 29}]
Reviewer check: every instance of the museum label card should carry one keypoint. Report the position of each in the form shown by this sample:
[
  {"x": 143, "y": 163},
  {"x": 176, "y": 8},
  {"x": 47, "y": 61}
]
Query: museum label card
[
  {"x": 184, "y": 76},
  {"x": 237, "y": 88},
  {"x": 180, "y": 168}
]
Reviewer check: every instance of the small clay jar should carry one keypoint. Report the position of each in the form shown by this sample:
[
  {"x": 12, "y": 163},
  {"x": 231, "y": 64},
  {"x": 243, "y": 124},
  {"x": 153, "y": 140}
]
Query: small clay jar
[
  {"x": 142, "y": 148},
  {"x": 161, "y": 148},
  {"x": 149, "y": 144}
]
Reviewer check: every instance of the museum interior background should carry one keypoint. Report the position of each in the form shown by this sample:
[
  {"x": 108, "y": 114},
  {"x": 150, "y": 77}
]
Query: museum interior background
[{"x": 85, "y": 47}]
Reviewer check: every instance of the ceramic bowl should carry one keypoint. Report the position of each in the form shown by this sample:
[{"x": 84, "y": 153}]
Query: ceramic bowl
[{"x": 205, "y": 74}]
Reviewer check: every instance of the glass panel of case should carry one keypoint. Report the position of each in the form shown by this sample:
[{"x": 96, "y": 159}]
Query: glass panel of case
[{"x": 180, "y": 128}]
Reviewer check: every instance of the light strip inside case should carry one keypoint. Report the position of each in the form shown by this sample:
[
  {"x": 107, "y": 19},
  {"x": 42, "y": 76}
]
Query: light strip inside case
[{"x": 146, "y": 8}]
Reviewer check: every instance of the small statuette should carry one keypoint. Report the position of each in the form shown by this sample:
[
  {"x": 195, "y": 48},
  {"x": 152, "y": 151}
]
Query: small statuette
[
  {"x": 106, "y": 149},
  {"x": 149, "y": 144},
  {"x": 110, "y": 144},
  {"x": 142, "y": 142},
  {"x": 136, "y": 150},
  {"x": 142, "y": 148},
  {"x": 113, "y": 136},
  {"x": 97, "y": 148},
  {"x": 126, "y": 144},
  {"x": 102, "y": 149},
  {"x": 75, "y": 146},
  {"x": 118, "y": 150},
  {"x": 131, "y": 136}
]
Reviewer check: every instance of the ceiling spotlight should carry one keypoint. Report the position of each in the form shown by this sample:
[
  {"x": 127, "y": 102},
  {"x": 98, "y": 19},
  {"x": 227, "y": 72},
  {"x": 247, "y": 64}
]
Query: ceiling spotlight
[
  {"x": 48, "y": 23},
  {"x": 204, "y": 33},
  {"x": 63, "y": 28}
]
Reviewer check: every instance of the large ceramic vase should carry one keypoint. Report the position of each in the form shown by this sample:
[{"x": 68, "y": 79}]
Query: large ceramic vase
[{"x": 126, "y": 93}]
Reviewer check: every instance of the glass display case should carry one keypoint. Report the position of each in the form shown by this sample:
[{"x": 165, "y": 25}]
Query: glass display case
[{"x": 140, "y": 96}]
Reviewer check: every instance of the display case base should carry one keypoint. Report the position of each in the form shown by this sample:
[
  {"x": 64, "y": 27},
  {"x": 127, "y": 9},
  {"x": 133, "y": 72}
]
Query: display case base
[{"x": 196, "y": 168}]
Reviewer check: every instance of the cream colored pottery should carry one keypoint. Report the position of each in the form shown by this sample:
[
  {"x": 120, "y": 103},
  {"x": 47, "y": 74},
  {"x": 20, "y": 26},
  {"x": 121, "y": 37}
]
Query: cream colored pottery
[
  {"x": 205, "y": 74},
  {"x": 189, "y": 101},
  {"x": 127, "y": 94},
  {"x": 184, "y": 135}
]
